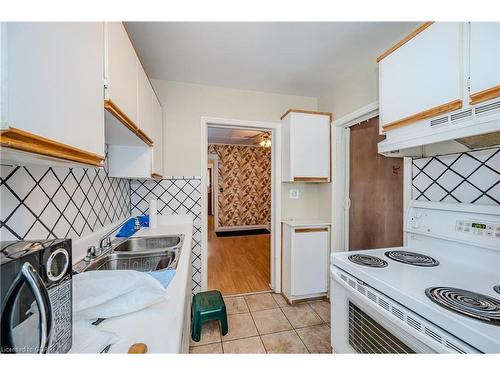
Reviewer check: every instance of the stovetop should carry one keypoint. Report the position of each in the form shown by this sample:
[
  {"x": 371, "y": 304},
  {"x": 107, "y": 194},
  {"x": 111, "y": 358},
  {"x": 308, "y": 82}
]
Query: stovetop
[
  {"x": 407, "y": 284},
  {"x": 466, "y": 302}
]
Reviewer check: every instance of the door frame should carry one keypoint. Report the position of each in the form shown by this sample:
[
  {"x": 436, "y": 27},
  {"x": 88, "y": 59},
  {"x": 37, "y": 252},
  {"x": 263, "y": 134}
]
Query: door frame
[
  {"x": 215, "y": 188},
  {"x": 340, "y": 185},
  {"x": 275, "y": 129}
]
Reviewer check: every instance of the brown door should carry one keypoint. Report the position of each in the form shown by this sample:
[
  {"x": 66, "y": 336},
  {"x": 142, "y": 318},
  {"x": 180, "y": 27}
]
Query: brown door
[{"x": 376, "y": 191}]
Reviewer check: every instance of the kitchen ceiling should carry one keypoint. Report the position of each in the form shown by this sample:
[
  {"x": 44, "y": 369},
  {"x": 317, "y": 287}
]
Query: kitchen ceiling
[
  {"x": 234, "y": 136},
  {"x": 296, "y": 58}
]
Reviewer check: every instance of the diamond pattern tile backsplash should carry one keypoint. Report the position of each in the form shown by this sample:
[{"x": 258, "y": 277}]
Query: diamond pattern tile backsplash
[
  {"x": 39, "y": 202},
  {"x": 175, "y": 196},
  {"x": 469, "y": 177}
]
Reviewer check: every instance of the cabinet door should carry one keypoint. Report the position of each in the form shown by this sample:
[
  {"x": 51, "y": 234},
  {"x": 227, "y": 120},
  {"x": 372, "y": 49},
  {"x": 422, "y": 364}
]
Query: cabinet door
[
  {"x": 157, "y": 137},
  {"x": 310, "y": 261},
  {"x": 424, "y": 74},
  {"x": 484, "y": 59},
  {"x": 310, "y": 146},
  {"x": 55, "y": 82},
  {"x": 145, "y": 101},
  {"x": 121, "y": 70}
]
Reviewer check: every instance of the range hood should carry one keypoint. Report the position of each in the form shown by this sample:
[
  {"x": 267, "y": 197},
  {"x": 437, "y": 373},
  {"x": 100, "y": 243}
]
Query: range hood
[{"x": 473, "y": 128}]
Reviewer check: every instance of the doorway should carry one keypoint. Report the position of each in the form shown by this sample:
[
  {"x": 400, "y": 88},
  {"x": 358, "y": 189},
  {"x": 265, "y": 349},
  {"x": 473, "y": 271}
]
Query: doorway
[
  {"x": 375, "y": 191},
  {"x": 240, "y": 181}
]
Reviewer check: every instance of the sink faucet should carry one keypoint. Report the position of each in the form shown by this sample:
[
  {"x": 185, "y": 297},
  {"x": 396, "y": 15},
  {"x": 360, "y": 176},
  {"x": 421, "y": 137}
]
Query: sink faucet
[{"x": 105, "y": 241}]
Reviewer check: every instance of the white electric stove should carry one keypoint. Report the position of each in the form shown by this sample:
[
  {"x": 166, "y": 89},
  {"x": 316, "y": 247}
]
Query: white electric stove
[{"x": 403, "y": 300}]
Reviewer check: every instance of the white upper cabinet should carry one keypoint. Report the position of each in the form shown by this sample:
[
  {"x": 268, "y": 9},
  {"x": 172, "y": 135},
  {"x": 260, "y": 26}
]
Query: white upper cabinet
[
  {"x": 136, "y": 149},
  {"x": 54, "y": 92},
  {"x": 306, "y": 146},
  {"x": 157, "y": 137},
  {"x": 145, "y": 101},
  {"x": 484, "y": 61},
  {"x": 422, "y": 76},
  {"x": 121, "y": 70}
]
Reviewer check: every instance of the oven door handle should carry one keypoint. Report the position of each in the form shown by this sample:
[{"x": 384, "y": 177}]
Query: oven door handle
[{"x": 28, "y": 275}]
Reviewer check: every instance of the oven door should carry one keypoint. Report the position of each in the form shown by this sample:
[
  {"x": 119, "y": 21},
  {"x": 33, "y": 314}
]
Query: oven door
[{"x": 366, "y": 321}]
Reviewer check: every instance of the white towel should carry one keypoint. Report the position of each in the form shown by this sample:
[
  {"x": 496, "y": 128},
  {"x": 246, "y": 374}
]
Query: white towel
[
  {"x": 88, "y": 338},
  {"x": 104, "y": 294}
]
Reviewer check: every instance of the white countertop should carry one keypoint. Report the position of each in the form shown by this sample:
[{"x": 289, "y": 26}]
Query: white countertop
[
  {"x": 160, "y": 326},
  {"x": 306, "y": 222}
]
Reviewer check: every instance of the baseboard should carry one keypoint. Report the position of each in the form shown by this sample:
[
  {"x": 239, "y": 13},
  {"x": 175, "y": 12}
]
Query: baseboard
[
  {"x": 240, "y": 227},
  {"x": 245, "y": 232}
]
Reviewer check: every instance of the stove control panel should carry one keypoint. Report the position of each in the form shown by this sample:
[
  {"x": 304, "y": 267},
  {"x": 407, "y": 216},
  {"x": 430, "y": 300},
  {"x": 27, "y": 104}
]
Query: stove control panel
[{"x": 478, "y": 227}]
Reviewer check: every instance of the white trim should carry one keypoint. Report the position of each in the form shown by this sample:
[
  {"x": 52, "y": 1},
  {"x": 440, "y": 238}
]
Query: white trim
[
  {"x": 275, "y": 128},
  {"x": 347, "y": 174},
  {"x": 215, "y": 189},
  {"x": 340, "y": 182},
  {"x": 364, "y": 113}
]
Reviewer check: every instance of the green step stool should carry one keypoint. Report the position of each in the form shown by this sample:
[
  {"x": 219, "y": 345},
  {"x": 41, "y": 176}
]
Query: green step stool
[{"x": 207, "y": 306}]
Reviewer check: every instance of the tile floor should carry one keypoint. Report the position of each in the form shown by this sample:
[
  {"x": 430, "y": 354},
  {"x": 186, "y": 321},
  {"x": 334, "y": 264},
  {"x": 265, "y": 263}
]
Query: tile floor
[{"x": 265, "y": 323}]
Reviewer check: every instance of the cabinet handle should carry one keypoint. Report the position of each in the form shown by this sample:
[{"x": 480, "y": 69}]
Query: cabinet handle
[{"x": 309, "y": 230}]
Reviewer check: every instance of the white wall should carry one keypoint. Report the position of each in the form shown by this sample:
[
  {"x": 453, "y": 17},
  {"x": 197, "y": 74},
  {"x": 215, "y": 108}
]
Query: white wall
[
  {"x": 313, "y": 202},
  {"x": 185, "y": 103},
  {"x": 352, "y": 92}
]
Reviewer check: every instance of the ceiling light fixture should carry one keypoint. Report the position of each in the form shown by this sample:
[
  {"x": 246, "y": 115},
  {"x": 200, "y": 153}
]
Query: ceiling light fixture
[{"x": 266, "y": 140}]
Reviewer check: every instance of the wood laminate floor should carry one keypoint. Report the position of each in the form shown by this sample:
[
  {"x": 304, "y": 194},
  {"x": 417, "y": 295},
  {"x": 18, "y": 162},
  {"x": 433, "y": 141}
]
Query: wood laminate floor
[{"x": 239, "y": 264}]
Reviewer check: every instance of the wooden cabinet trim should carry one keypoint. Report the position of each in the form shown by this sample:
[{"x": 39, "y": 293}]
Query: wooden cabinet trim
[
  {"x": 405, "y": 40},
  {"x": 112, "y": 108},
  {"x": 438, "y": 110},
  {"x": 310, "y": 230},
  {"x": 142, "y": 135},
  {"x": 311, "y": 179},
  {"x": 329, "y": 114},
  {"x": 24, "y": 141},
  {"x": 156, "y": 176},
  {"x": 482, "y": 96}
]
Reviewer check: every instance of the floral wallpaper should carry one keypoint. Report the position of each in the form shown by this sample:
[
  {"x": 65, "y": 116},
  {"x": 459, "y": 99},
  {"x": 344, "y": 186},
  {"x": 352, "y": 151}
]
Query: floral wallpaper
[{"x": 244, "y": 196}]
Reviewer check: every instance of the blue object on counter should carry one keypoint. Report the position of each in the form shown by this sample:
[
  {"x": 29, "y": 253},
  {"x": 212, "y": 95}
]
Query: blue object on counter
[
  {"x": 164, "y": 277},
  {"x": 128, "y": 228}
]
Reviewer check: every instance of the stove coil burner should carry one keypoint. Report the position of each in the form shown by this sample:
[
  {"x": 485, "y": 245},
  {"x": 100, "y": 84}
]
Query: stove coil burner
[
  {"x": 474, "y": 305},
  {"x": 415, "y": 259},
  {"x": 367, "y": 260},
  {"x": 496, "y": 288}
]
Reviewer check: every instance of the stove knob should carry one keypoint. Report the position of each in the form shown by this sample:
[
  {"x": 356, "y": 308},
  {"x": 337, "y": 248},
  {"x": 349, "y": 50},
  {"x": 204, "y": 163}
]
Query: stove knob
[{"x": 415, "y": 224}]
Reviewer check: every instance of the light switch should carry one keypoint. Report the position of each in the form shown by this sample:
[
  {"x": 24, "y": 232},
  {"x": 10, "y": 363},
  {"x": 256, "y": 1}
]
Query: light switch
[{"x": 294, "y": 193}]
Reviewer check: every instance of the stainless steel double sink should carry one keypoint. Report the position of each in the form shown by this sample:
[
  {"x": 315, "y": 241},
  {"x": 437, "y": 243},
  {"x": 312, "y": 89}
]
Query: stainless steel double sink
[{"x": 143, "y": 254}]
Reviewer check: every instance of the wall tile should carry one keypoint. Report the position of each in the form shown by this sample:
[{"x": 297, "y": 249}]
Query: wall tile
[
  {"x": 176, "y": 196},
  {"x": 39, "y": 202},
  {"x": 469, "y": 177}
]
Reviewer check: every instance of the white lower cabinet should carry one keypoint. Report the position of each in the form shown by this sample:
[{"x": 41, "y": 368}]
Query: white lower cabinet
[{"x": 305, "y": 261}]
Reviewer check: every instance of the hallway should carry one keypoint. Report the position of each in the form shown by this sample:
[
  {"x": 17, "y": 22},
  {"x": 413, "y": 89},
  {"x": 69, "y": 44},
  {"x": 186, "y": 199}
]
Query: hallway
[{"x": 239, "y": 264}]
